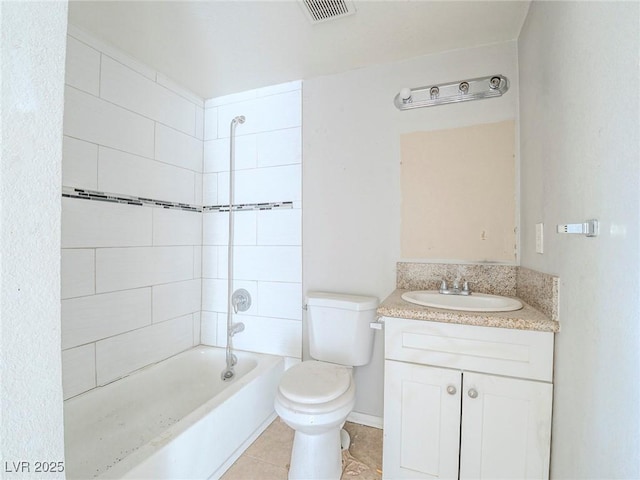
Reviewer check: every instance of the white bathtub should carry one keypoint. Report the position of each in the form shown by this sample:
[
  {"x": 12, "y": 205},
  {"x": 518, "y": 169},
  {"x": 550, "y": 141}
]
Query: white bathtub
[{"x": 172, "y": 420}]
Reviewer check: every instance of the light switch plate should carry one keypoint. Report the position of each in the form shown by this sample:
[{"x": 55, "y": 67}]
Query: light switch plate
[{"x": 539, "y": 238}]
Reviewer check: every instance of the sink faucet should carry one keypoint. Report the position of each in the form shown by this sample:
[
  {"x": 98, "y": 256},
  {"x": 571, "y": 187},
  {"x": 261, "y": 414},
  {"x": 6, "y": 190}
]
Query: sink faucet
[{"x": 455, "y": 290}]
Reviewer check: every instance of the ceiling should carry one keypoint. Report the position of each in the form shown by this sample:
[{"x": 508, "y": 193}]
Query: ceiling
[{"x": 219, "y": 47}]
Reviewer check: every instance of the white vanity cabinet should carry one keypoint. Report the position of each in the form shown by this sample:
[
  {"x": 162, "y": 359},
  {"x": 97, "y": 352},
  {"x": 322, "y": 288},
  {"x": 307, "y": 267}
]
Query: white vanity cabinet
[{"x": 465, "y": 401}]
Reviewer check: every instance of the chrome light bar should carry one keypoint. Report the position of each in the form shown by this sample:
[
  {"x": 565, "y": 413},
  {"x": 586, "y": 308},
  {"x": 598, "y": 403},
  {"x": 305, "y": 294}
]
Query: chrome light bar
[{"x": 462, "y": 91}]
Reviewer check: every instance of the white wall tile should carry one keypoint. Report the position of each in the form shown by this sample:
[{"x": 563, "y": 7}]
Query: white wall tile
[
  {"x": 78, "y": 370},
  {"x": 113, "y": 52},
  {"x": 209, "y": 262},
  {"x": 210, "y": 123},
  {"x": 217, "y": 153},
  {"x": 177, "y": 148},
  {"x": 127, "y": 88},
  {"x": 120, "y": 172},
  {"x": 216, "y": 228},
  {"x": 87, "y": 319},
  {"x": 210, "y": 189},
  {"x": 267, "y": 185},
  {"x": 122, "y": 354},
  {"x": 95, "y": 120},
  {"x": 172, "y": 300},
  {"x": 282, "y": 147},
  {"x": 198, "y": 192},
  {"x": 209, "y": 328},
  {"x": 200, "y": 123},
  {"x": 273, "y": 112},
  {"x": 90, "y": 223},
  {"x": 278, "y": 264},
  {"x": 165, "y": 81},
  {"x": 176, "y": 227},
  {"x": 279, "y": 227},
  {"x": 79, "y": 163},
  {"x": 221, "y": 336},
  {"x": 197, "y": 261},
  {"x": 269, "y": 335},
  {"x": 214, "y": 295},
  {"x": 281, "y": 300},
  {"x": 77, "y": 272},
  {"x": 223, "y": 261},
  {"x": 196, "y": 328},
  {"x": 82, "y": 68},
  {"x": 223, "y": 188},
  {"x": 123, "y": 268}
]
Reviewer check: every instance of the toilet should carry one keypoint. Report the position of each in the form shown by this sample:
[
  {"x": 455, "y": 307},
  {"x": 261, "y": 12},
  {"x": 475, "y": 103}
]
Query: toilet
[{"x": 316, "y": 396}]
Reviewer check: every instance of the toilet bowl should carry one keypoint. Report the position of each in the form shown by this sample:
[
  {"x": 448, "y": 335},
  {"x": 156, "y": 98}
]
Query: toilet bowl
[{"x": 314, "y": 398}]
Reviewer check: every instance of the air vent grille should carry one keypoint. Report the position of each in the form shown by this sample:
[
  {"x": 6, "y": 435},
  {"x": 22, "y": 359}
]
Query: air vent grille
[{"x": 323, "y": 10}]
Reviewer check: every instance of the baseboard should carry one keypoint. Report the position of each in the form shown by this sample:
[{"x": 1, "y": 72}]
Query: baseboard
[{"x": 365, "y": 419}]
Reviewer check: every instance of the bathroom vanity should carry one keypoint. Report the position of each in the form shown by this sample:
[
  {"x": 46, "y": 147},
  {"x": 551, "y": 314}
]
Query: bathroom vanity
[{"x": 466, "y": 394}]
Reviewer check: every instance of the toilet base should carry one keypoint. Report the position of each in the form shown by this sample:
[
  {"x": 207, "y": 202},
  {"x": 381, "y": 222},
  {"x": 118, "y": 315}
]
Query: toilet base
[{"x": 316, "y": 457}]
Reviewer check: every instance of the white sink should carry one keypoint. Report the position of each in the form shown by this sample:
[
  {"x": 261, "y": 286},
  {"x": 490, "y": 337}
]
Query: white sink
[{"x": 476, "y": 302}]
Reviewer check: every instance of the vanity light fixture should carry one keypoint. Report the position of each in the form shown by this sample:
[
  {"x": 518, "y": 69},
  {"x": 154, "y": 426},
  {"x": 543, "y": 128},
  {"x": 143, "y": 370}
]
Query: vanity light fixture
[{"x": 462, "y": 91}]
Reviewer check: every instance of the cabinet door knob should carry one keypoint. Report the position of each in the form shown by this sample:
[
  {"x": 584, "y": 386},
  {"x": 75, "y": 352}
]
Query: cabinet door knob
[
  {"x": 473, "y": 393},
  {"x": 451, "y": 390}
]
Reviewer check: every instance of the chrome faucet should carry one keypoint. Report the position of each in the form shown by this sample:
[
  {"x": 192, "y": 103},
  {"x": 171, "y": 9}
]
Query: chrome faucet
[{"x": 455, "y": 290}]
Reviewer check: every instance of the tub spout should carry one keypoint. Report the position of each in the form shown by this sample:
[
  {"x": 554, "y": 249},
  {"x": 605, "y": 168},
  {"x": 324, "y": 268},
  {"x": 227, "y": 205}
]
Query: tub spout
[{"x": 236, "y": 328}]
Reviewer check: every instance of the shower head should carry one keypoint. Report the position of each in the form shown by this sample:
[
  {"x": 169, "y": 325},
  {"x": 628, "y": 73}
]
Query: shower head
[{"x": 239, "y": 119}]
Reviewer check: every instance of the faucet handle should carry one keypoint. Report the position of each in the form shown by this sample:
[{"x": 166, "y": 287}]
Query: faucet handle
[
  {"x": 443, "y": 285},
  {"x": 465, "y": 287}
]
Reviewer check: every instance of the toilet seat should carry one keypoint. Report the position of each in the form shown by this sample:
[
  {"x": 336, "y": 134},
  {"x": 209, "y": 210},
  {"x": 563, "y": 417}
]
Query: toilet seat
[{"x": 314, "y": 382}]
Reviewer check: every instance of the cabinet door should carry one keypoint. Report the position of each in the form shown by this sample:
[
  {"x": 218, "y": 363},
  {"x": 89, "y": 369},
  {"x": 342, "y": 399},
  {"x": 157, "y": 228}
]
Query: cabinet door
[
  {"x": 421, "y": 421},
  {"x": 506, "y": 428}
]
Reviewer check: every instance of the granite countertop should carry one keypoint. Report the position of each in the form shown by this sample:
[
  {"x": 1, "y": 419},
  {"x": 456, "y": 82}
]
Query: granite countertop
[{"x": 527, "y": 318}]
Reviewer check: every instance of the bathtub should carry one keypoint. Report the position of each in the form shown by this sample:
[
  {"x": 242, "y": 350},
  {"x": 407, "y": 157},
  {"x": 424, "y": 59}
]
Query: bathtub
[{"x": 172, "y": 420}]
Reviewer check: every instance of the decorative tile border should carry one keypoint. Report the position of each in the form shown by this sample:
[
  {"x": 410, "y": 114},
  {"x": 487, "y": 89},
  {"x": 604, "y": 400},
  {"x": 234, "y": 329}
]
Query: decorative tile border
[
  {"x": 85, "y": 194},
  {"x": 248, "y": 206},
  {"x": 126, "y": 199}
]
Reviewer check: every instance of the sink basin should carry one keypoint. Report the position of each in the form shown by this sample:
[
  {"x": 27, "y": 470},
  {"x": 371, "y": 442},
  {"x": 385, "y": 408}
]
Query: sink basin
[{"x": 476, "y": 302}]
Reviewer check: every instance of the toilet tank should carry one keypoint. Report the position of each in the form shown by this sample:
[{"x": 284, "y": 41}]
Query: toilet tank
[{"x": 339, "y": 330}]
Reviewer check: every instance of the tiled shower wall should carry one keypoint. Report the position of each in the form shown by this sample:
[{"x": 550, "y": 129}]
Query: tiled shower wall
[
  {"x": 268, "y": 253},
  {"x": 131, "y": 275},
  {"x": 132, "y": 288}
]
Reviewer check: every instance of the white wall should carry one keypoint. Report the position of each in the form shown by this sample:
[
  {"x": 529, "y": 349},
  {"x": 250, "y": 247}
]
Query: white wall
[
  {"x": 351, "y": 177},
  {"x": 130, "y": 274},
  {"x": 32, "y": 51},
  {"x": 580, "y": 129},
  {"x": 267, "y": 252}
]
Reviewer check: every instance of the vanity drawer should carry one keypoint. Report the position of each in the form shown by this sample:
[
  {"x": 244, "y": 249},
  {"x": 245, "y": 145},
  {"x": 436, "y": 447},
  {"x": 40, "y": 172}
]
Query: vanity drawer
[{"x": 501, "y": 351}]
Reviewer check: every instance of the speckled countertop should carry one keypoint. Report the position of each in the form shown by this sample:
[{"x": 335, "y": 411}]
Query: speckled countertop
[{"x": 527, "y": 318}]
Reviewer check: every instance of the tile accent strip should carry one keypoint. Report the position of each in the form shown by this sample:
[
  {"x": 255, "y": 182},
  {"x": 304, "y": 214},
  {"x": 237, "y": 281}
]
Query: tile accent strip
[
  {"x": 85, "y": 194},
  {"x": 126, "y": 199},
  {"x": 249, "y": 206}
]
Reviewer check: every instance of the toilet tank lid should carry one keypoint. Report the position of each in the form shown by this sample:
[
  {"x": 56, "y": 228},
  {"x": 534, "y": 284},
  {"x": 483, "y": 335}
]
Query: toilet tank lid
[{"x": 341, "y": 300}]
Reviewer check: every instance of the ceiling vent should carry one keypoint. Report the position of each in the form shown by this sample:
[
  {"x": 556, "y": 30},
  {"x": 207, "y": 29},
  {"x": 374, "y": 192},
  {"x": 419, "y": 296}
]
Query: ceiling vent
[{"x": 323, "y": 10}]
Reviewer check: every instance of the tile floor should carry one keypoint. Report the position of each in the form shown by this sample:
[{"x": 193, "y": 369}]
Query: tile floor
[{"x": 268, "y": 457}]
